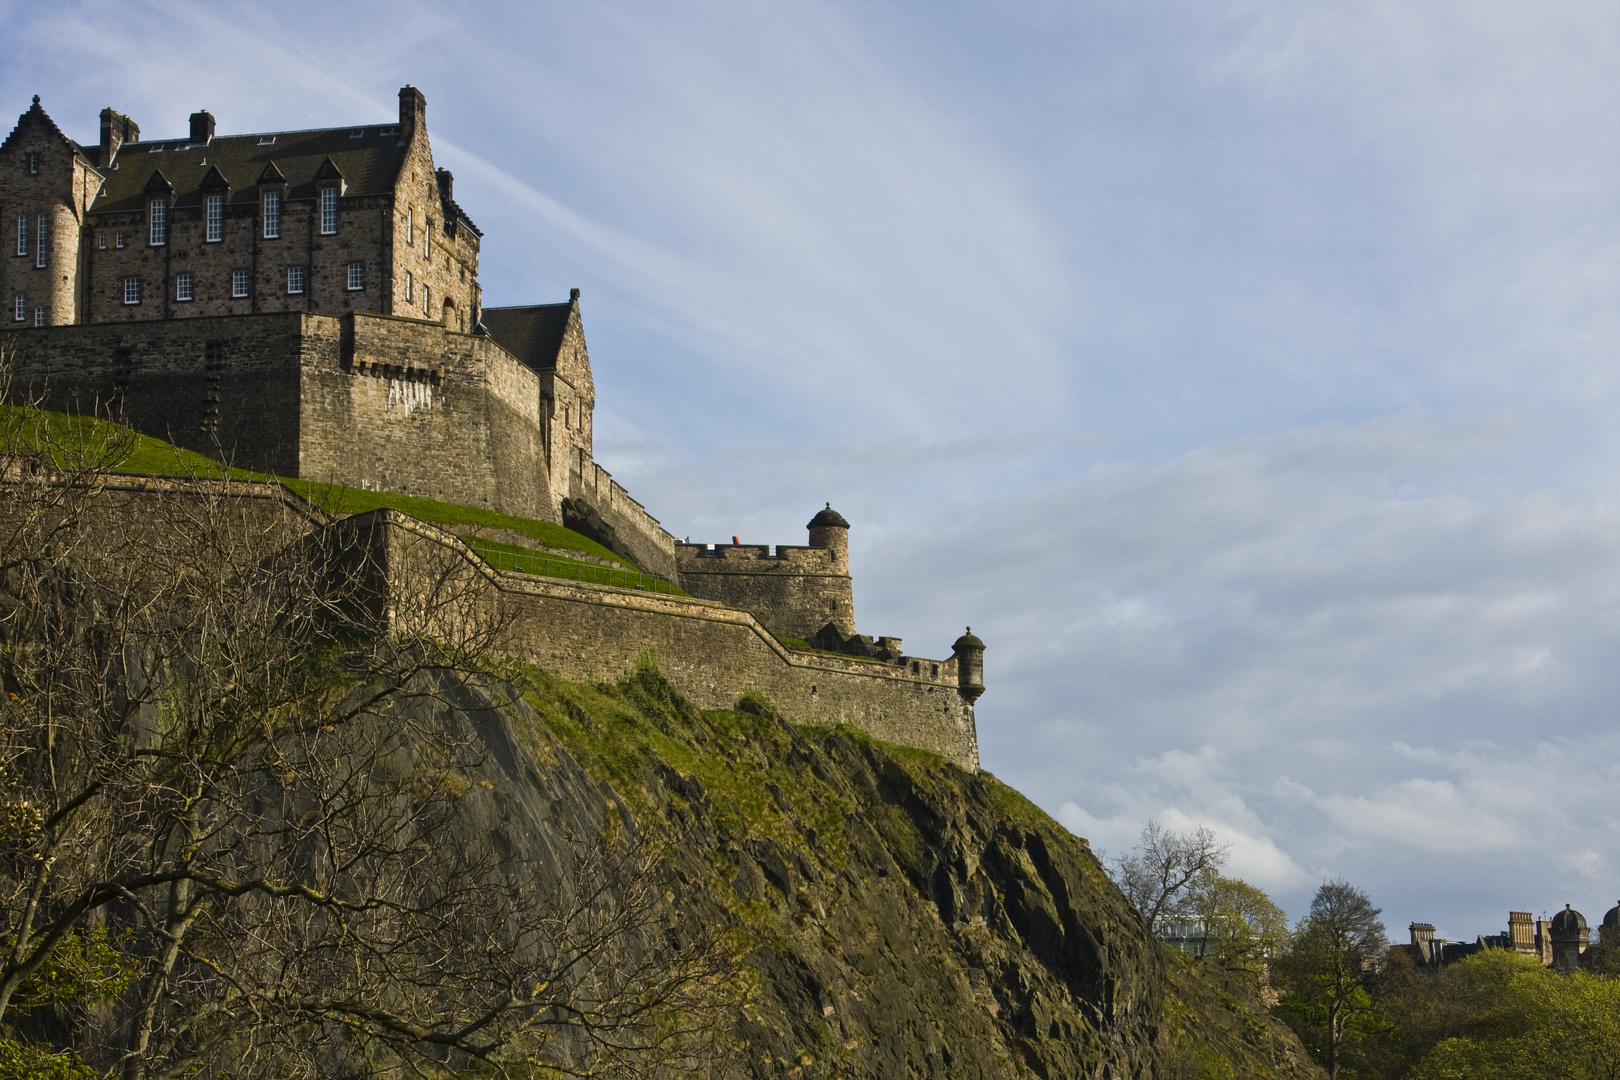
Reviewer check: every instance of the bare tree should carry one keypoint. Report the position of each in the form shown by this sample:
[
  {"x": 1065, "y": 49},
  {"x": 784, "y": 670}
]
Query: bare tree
[
  {"x": 1160, "y": 872},
  {"x": 238, "y": 806}
]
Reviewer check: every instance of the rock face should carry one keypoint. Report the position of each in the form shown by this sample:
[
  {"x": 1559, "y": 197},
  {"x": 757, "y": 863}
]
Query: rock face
[{"x": 898, "y": 917}]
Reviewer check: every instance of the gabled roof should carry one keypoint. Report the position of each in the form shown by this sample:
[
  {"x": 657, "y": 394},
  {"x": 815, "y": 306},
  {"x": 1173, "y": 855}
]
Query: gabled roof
[
  {"x": 39, "y": 116},
  {"x": 533, "y": 334},
  {"x": 369, "y": 159}
]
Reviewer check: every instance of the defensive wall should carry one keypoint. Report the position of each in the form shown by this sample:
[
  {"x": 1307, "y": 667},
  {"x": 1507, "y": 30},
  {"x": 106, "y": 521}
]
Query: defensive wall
[
  {"x": 794, "y": 592},
  {"x": 364, "y": 400},
  {"x": 711, "y": 652}
]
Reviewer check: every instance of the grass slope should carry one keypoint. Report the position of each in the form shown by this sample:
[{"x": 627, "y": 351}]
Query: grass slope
[{"x": 87, "y": 441}]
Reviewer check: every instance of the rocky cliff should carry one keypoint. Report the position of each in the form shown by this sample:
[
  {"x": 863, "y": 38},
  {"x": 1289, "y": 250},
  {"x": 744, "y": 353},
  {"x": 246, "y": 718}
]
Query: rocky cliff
[{"x": 895, "y": 916}]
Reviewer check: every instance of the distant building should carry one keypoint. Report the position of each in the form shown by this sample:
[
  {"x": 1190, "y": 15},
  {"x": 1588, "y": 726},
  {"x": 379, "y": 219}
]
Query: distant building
[{"x": 1562, "y": 942}]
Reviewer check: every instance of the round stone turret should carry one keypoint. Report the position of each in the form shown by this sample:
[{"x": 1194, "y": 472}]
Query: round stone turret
[
  {"x": 829, "y": 530},
  {"x": 1609, "y": 932},
  {"x": 1569, "y": 935},
  {"x": 969, "y": 652}
]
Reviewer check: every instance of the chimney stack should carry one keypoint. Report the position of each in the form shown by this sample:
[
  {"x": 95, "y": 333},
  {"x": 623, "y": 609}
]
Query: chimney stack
[
  {"x": 202, "y": 127},
  {"x": 116, "y": 129},
  {"x": 412, "y": 112}
]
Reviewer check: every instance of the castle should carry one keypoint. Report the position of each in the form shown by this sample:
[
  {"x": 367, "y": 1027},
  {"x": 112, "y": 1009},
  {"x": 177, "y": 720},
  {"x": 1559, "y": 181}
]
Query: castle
[{"x": 306, "y": 304}]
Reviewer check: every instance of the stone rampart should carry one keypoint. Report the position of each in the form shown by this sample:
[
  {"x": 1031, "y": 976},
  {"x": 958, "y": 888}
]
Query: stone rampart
[
  {"x": 794, "y": 591},
  {"x": 710, "y": 651},
  {"x": 363, "y": 400}
]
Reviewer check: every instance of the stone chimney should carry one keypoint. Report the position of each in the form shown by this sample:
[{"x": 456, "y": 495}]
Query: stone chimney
[
  {"x": 202, "y": 127},
  {"x": 116, "y": 130},
  {"x": 412, "y": 112}
]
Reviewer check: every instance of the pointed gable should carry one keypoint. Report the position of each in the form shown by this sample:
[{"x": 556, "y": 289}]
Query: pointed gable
[
  {"x": 271, "y": 176},
  {"x": 214, "y": 181},
  {"x": 158, "y": 184},
  {"x": 36, "y": 119}
]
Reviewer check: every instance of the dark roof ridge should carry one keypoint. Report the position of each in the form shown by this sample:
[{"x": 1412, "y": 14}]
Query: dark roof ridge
[{"x": 261, "y": 134}]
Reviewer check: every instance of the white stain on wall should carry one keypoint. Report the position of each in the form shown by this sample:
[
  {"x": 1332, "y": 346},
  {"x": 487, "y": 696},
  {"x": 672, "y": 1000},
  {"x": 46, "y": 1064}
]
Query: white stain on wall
[{"x": 407, "y": 396}]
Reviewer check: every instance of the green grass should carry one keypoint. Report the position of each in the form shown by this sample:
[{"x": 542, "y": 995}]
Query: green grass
[
  {"x": 85, "y": 442},
  {"x": 525, "y": 561}
]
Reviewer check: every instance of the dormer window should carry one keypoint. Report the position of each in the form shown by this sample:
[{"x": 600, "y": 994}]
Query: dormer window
[
  {"x": 158, "y": 220},
  {"x": 272, "y": 215},
  {"x": 329, "y": 199},
  {"x": 214, "y": 221}
]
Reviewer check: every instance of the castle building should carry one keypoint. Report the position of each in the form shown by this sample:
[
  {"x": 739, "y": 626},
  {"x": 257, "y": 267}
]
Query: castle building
[
  {"x": 329, "y": 221},
  {"x": 306, "y": 304}
]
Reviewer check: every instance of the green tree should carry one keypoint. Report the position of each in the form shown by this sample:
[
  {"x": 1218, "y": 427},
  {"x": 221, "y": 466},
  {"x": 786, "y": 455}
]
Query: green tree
[
  {"x": 1243, "y": 929},
  {"x": 1327, "y": 974},
  {"x": 1526, "y": 1022}
]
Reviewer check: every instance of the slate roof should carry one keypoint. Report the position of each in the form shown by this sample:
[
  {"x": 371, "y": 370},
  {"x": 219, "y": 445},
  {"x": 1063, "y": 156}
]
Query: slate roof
[
  {"x": 533, "y": 334},
  {"x": 368, "y": 158}
]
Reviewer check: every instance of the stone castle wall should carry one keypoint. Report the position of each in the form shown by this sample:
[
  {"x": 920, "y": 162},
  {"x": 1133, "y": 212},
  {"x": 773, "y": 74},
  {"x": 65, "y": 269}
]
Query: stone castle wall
[
  {"x": 794, "y": 592},
  {"x": 711, "y": 652},
  {"x": 363, "y": 400}
]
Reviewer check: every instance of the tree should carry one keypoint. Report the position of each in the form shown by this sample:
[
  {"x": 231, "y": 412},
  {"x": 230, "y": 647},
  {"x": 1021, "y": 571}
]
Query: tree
[
  {"x": 1335, "y": 951},
  {"x": 1242, "y": 928},
  {"x": 1165, "y": 865},
  {"x": 240, "y": 807}
]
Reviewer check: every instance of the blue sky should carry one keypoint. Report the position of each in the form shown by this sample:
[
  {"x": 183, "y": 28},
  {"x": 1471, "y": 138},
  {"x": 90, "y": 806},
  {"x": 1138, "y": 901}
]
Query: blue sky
[{"x": 1244, "y": 372}]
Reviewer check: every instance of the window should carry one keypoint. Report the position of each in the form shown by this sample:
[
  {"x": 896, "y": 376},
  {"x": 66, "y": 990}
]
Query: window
[
  {"x": 40, "y": 225},
  {"x": 33, "y": 164},
  {"x": 118, "y": 240},
  {"x": 410, "y": 231},
  {"x": 22, "y": 234},
  {"x": 39, "y": 316},
  {"x": 132, "y": 290},
  {"x": 22, "y": 307},
  {"x": 101, "y": 241},
  {"x": 216, "y": 218},
  {"x": 357, "y": 276},
  {"x": 427, "y": 239},
  {"x": 183, "y": 286},
  {"x": 328, "y": 210},
  {"x": 295, "y": 279},
  {"x": 425, "y": 311},
  {"x": 272, "y": 215},
  {"x": 239, "y": 283},
  {"x": 159, "y": 220},
  {"x": 410, "y": 287}
]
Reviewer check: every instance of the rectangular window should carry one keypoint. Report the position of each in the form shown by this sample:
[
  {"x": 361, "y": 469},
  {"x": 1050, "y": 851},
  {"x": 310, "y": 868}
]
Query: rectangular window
[
  {"x": 410, "y": 287},
  {"x": 272, "y": 215},
  {"x": 183, "y": 286},
  {"x": 357, "y": 276},
  {"x": 216, "y": 218},
  {"x": 22, "y": 308},
  {"x": 33, "y": 164},
  {"x": 328, "y": 211},
  {"x": 427, "y": 240},
  {"x": 239, "y": 283},
  {"x": 410, "y": 228},
  {"x": 40, "y": 251},
  {"x": 118, "y": 240},
  {"x": 159, "y": 221},
  {"x": 425, "y": 291},
  {"x": 295, "y": 279},
  {"x": 132, "y": 290},
  {"x": 39, "y": 316},
  {"x": 101, "y": 241},
  {"x": 22, "y": 234}
]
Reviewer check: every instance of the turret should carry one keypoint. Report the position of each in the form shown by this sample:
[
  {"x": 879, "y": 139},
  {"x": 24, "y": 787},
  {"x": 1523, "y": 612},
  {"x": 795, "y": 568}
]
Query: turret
[
  {"x": 829, "y": 530},
  {"x": 1609, "y": 932},
  {"x": 969, "y": 652},
  {"x": 1569, "y": 938}
]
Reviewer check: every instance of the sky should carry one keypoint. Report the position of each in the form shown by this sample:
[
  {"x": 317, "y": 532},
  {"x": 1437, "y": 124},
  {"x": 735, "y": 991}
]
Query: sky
[{"x": 1243, "y": 371}]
